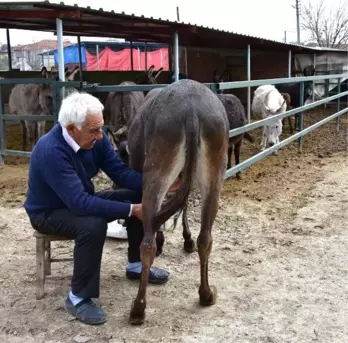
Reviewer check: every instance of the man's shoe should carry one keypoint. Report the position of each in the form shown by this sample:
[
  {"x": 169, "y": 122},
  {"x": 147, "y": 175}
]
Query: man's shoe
[
  {"x": 86, "y": 311},
  {"x": 156, "y": 276}
]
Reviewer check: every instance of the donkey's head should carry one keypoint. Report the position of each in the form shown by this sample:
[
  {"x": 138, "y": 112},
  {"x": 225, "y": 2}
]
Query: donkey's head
[
  {"x": 224, "y": 77},
  {"x": 308, "y": 86},
  {"x": 119, "y": 141},
  {"x": 117, "y": 137},
  {"x": 273, "y": 131},
  {"x": 148, "y": 78},
  {"x": 53, "y": 74}
]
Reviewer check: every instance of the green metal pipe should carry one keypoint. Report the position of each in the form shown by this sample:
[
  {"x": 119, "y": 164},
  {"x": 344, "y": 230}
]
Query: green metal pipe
[
  {"x": 268, "y": 151},
  {"x": 338, "y": 105},
  {"x": 269, "y": 120}
]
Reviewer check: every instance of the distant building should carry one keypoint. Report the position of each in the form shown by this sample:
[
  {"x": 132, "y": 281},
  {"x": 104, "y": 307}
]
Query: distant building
[{"x": 26, "y": 57}]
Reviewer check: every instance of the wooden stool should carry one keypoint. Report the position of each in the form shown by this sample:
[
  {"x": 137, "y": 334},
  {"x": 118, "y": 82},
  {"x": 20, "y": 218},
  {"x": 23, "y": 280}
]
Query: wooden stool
[{"x": 43, "y": 259}]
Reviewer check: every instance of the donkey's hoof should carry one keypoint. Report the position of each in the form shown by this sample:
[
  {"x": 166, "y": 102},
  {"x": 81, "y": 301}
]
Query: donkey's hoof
[
  {"x": 211, "y": 299},
  {"x": 238, "y": 176},
  {"x": 189, "y": 246},
  {"x": 137, "y": 314},
  {"x": 159, "y": 251},
  {"x": 137, "y": 319}
]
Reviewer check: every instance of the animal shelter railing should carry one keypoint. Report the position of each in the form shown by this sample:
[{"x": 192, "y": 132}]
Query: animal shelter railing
[
  {"x": 215, "y": 87},
  {"x": 299, "y": 110}
]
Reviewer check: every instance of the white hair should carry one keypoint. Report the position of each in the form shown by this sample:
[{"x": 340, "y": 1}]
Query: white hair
[{"x": 76, "y": 107}]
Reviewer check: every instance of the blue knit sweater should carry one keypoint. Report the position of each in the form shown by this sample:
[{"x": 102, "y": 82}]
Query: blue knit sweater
[{"x": 61, "y": 178}]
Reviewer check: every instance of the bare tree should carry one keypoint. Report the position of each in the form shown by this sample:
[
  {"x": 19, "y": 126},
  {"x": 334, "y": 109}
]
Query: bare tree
[{"x": 327, "y": 28}]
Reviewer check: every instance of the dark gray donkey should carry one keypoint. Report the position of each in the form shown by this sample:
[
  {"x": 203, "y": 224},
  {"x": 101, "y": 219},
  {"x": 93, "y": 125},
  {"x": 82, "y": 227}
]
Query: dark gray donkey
[
  {"x": 178, "y": 134},
  {"x": 236, "y": 117}
]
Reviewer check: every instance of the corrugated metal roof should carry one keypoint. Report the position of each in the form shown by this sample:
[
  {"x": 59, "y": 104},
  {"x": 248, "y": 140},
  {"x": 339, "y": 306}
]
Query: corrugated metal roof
[{"x": 86, "y": 21}]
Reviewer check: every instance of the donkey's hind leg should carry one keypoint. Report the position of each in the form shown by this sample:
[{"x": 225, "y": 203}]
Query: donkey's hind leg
[
  {"x": 31, "y": 130},
  {"x": 211, "y": 168},
  {"x": 157, "y": 179},
  {"x": 40, "y": 129}
]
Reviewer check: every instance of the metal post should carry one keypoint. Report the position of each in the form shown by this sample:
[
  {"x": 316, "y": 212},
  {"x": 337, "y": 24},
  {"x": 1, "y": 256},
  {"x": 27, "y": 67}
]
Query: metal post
[
  {"x": 61, "y": 64},
  {"x": 300, "y": 117},
  {"x": 176, "y": 56},
  {"x": 80, "y": 56},
  {"x": 289, "y": 64},
  {"x": 338, "y": 104},
  {"x": 298, "y": 10},
  {"x": 314, "y": 63},
  {"x": 131, "y": 56},
  {"x": 139, "y": 58},
  {"x": 9, "y": 54},
  {"x": 249, "y": 78},
  {"x": 97, "y": 49},
  {"x": 2, "y": 130},
  {"x": 186, "y": 70}
]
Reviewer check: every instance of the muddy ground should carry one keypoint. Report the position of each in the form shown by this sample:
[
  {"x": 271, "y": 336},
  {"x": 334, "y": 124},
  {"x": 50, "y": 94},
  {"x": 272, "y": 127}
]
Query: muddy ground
[{"x": 279, "y": 259}]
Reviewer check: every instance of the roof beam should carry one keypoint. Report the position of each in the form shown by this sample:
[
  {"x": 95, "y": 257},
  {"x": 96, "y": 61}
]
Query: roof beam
[
  {"x": 80, "y": 31},
  {"x": 109, "y": 34},
  {"x": 40, "y": 14},
  {"x": 81, "y": 26}
]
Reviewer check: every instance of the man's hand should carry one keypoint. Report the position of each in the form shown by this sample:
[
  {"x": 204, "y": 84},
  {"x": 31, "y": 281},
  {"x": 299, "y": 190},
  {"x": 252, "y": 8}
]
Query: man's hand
[{"x": 137, "y": 211}]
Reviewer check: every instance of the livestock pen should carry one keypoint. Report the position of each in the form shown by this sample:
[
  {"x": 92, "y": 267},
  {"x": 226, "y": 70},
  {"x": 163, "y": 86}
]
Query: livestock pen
[
  {"x": 279, "y": 252},
  {"x": 215, "y": 87}
]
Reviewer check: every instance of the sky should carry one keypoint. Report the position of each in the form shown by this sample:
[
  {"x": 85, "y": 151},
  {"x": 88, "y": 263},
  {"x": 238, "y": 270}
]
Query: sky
[{"x": 260, "y": 18}]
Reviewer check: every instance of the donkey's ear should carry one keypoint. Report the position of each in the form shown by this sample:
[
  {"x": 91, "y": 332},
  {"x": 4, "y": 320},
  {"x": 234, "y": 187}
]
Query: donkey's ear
[
  {"x": 158, "y": 72},
  {"x": 150, "y": 71},
  {"x": 122, "y": 132},
  {"x": 112, "y": 138},
  {"x": 44, "y": 73}
]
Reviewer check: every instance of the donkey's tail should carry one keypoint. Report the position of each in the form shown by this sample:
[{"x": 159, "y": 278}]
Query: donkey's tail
[{"x": 180, "y": 197}]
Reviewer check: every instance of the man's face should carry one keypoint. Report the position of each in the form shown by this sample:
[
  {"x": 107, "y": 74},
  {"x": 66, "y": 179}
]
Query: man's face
[{"x": 90, "y": 132}]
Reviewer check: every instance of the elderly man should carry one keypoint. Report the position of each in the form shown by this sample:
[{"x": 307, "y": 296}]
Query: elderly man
[{"x": 61, "y": 199}]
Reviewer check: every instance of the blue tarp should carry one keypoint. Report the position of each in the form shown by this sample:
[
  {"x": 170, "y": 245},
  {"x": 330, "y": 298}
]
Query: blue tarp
[{"x": 71, "y": 54}]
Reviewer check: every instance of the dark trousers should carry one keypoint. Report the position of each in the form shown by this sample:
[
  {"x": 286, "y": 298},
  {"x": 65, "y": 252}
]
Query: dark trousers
[{"x": 89, "y": 233}]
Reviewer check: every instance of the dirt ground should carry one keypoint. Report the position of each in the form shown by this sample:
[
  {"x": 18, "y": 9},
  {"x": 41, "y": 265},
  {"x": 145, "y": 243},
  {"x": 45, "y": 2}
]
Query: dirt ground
[{"x": 279, "y": 260}]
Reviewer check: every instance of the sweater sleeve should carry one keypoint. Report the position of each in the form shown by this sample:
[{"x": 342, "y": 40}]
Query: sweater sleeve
[
  {"x": 60, "y": 174},
  {"x": 117, "y": 170}
]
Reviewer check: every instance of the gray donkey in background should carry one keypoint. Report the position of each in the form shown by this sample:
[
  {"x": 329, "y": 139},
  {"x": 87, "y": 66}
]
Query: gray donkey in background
[{"x": 35, "y": 99}]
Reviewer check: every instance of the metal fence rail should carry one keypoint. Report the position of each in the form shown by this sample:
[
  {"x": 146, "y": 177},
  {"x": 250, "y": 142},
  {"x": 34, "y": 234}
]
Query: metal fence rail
[{"x": 215, "y": 87}]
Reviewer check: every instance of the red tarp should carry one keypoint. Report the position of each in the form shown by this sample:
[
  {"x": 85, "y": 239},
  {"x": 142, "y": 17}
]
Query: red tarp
[{"x": 121, "y": 60}]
